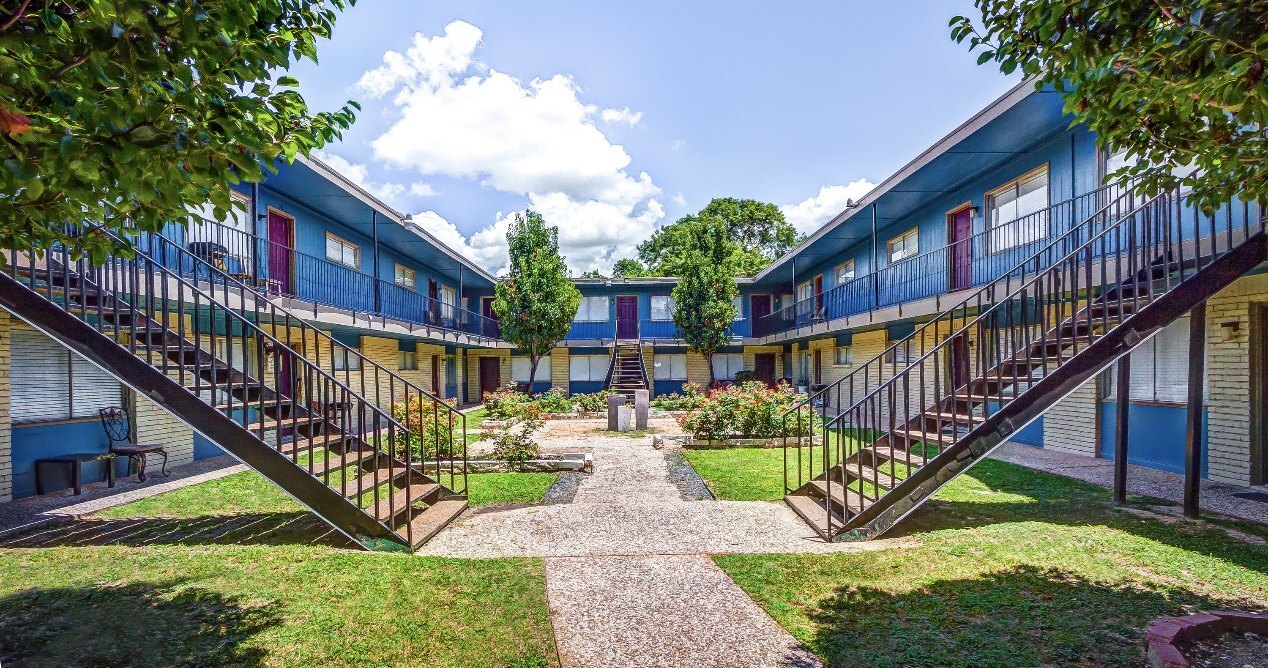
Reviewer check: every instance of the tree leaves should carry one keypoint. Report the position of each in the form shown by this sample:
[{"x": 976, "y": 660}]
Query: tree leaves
[
  {"x": 123, "y": 112},
  {"x": 703, "y": 310},
  {"x": 757, "y": 231}
]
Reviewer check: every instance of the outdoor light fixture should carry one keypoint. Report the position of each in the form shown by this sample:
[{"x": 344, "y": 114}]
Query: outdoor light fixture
[{"x": 1231, "y": 328}]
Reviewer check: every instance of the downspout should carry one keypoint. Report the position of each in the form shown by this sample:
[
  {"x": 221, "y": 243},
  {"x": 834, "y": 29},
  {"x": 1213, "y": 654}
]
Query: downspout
[
  {"x": 255, "y": 227},
  {"x": 374, "y": 237}
]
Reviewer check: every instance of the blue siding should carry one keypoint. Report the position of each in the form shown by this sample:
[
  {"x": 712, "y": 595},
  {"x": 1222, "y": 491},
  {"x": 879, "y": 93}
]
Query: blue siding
[
  {"x": 1155, "y": 436},
  {"x": 585, "y": 386},
  {"x": 39, "y": 441},
  {"x": 204, "y": 449},
  {"x": 668, "y": 386},
  {"x": 1031, "y": 434}
]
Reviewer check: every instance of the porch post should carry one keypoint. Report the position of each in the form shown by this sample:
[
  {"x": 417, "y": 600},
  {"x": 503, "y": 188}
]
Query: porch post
[
  {"x": 876, "y": 284},
  {"x": 255, "y": 228},
  {"x": 374, "y": 237},
  {"x": 1193, "y": 425},
  {"x": 1122, "y": 405}
]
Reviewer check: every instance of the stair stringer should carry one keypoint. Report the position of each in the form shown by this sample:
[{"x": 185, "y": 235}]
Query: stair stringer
[
  {"x": 221, "y": 429},
  {"x": 1164, "y": 309}
]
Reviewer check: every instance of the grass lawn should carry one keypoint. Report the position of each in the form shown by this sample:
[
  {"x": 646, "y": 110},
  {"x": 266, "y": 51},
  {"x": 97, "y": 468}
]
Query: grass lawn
[
  {"x": 1007, "y": 567},
  {"x": 489, "y": 488},
  {"x": 751, "y": 474}
]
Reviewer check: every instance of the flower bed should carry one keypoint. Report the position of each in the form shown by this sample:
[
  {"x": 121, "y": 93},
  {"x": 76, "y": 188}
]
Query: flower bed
[
  {"x": 508, "y": 405},
  {"x": 746, "y": 411}
]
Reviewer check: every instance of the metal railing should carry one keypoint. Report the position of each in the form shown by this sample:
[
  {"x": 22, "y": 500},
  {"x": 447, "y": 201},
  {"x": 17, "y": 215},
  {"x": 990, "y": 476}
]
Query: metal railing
[
  {"x": 280, "y": 270},
  {"x": 293, "y": 387},
  {"x": 892, "y": 422},
  {"x": 967, "y": 263}
]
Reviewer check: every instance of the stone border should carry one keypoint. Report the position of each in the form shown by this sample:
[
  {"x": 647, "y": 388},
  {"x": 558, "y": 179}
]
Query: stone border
[
  {"x": 582, "y": 462},
  {"x": 726, "y": 443},
  {"x": 1168, "y": 635}
]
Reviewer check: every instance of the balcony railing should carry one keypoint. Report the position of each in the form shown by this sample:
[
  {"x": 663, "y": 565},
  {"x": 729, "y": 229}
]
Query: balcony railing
[
  {"x": 280, "y": 270},
  {"x": 968, "y": 263}
]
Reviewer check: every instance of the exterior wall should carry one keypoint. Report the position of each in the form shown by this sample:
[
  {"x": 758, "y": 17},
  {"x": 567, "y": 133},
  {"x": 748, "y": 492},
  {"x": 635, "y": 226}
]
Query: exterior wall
[
  {"x": 559, "y": 368},
  {"x": 697, "y": 370},
  {"x": 6, "y": 424},
  {"x": 473, "y": 369},
  {"x": 153, "y": 425},
  {"x": 1071, "y": 425},
  {"x": 1228, "y": 379}
]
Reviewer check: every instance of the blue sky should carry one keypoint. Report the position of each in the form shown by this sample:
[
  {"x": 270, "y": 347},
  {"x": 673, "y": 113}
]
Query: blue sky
[{"x": 614, "y": 118}]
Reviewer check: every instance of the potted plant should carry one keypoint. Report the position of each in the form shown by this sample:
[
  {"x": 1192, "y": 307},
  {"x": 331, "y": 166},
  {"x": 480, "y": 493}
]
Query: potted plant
[{"x": 803, "y": 385}]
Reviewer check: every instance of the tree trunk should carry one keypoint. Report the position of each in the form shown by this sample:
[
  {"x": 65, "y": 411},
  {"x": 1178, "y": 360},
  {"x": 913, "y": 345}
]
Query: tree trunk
[
  {"x": 708, "y": 361},
  {"x": 532, "y": 371}
]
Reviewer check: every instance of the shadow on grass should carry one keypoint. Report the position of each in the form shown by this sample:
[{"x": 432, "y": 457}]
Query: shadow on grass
[
  {"x": 145, "y": 624},
  {"x": 244, "y": 529},
  {"x": 1023, "y": 616}
]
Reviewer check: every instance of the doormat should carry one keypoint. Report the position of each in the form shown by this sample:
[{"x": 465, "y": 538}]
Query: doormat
[{"x": 1261, "y": 497}]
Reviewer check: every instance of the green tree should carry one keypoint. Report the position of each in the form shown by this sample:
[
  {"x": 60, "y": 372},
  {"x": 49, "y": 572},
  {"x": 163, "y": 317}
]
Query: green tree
[
  {"x": 126, "y": 113},
  {"x": 629, "y": 268},
  {"x": 537, "y": 301},
  {"x": 759, "y": 232},
  {"x": 703, "y": 310},
  {"x": 593, "y": 273},
  {"x": 1178, "y": 84}
]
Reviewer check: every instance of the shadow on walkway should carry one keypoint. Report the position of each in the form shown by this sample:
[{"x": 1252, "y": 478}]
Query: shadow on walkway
[
  {"x": 248, "y": 529},
  {"x": 144, "y": 624}
]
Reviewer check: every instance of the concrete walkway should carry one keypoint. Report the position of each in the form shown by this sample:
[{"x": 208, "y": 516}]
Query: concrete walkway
[
  {"x": 1214, "y": 497},
  {"x": 628, "y": 575}
]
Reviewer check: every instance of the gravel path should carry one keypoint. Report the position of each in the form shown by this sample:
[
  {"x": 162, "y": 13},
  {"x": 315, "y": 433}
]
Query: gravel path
[
  {"x": 628, "y": 576},
  {"x": 1214, "y": 497}
]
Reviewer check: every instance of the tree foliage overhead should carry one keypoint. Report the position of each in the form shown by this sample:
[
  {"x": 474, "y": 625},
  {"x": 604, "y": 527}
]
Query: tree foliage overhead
[
  {"x": 1178, "y": 84},
  {"x": 537, "y": 300},
  {"x": 127, "y": 113},
  {"x": 703, "y": 310},
  {"x": 757, "y": 233}
]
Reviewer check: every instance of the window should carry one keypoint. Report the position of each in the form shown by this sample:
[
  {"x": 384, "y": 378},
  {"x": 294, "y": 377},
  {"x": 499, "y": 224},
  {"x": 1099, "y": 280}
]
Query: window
[
  {"x": 588, "y": 367},
  {"x": 592, "y": 309},
  {"x": 844, "y": 272},
  {"x": 448, "y": 297},
  {"x": 407, "y": 361},
  {"x": 1009, "y": 222},
  {"x": 226, "y": 350},
  {"x": 903, "y": 353},
  {"x": 406, "y": 278},
  {"x": 904, "y": 245},
  {"x": 48, "y": 382},
  {"x": 345, "y": 359},
  {"x": 203, "y": 225},
  {"x": 670, "y": 367},
  {"x": 738, "y": 303},
  {"x": 342, "y": 251},
  {"x": 662, "y": 307},
  {"x": 726, "y": 365},
  {"x": 805, "y": 291},
  {"x": 1160, "y": 368},
  {"x": 521, "y": 366},
  {"x": 844, "y": 356}
]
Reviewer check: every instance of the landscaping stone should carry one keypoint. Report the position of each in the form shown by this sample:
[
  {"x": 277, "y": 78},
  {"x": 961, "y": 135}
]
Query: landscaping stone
[
  {"x": 565, "y": 488},
  {"x": 689, "y": 483},
  {"x": 1219, "y": 639},
  {"x": 723, "y": 443},
  {"x": 548, "y": 463},
  {"x": 641, "y": 399}
]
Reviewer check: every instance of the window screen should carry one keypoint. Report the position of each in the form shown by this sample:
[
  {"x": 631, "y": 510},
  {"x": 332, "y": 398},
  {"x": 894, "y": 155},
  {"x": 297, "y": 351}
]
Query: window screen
[
  {"x": 588, "y": 367},
  {"x": 48, "y": 382},
  {"x": 662, "y": 307},
  {"x": 670, "y": 367},
  {"x": 726, "y": 365},
  {"x": 1008, "y": 204},
  {"x": 592, "y": 309},
  {"x": 520, "y": 368}
]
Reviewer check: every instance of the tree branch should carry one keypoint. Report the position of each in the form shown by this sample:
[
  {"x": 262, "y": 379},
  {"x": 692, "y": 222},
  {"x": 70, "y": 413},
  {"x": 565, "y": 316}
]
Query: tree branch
[
  {"x": 71, "y": 65},
  {"x": 16, "y": 15}
]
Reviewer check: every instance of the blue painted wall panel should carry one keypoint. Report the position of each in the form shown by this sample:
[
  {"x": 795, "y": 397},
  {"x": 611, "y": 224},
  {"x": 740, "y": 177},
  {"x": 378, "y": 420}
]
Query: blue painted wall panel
[
  {"x": 668, "y": 386},
  {"x": 204, "y": 449},
  {"x": 1155, "y": 436},
  {"x": 38, "y": 441},
  {"x": 585, "y": 386},
  {"x": 1031, "y": 434}
]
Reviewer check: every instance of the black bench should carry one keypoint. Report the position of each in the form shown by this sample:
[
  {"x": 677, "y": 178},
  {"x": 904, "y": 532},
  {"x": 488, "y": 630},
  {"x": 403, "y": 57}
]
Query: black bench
[{"x": 75, "y": 462}]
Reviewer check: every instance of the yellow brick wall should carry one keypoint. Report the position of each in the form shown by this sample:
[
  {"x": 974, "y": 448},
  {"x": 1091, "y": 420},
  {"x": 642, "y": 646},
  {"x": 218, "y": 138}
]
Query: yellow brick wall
[
  {"x": 697, "y": 370},
  {"x": 6, "y": 424},
  {"x": 649, "y": 368},
  {"x": 152, "y": 425},
  {"x": 559, "y": 368},
  {"x": 750, "y": 352}
]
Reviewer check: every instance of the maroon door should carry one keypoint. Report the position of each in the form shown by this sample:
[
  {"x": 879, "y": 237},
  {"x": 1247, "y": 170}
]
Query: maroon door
[
  {"x": 435, "y": 374},
  {"x": 818, "y": 294},
  {"x": 764, "y": 368},
  {"x": 627, "y": 317},
  {"x": 961, "y": 229},
  {"x": 760, "y": 305},
  {"x": 959, "y": 362},
  {"x": 433, "y": 308},
  {"x": 490, "y": 375},
  {"x": 281, "y": 235},
  {"x": 818, "y": 358}
]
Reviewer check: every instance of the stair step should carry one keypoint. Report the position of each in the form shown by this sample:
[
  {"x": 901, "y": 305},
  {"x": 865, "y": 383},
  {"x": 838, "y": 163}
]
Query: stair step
[
  {"x": 368, "y": 481},
  {"x": 839, "y": 491},
  {"x": 429, "y": 522},
  {"x": 387, "y": 510},
  {"x": 814, "y": 512},
  {"x": 895, "y": 454},
  {"x": 868, "y": 474},
  {"x": 925, "y": 436},
  {"x": 317, "y": 442},
  {"x": 320, "y": 465}
]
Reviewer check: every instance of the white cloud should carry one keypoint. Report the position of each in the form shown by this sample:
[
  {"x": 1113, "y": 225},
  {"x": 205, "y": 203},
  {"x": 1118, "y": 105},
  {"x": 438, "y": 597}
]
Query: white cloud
[
  {"x": 679, "y": 199},
  {"x": 539, "y": 139},
  {"x": 624, "y": 115},
  {"x": 678, "y": 143},
  {"x": 811, "y": 213},
  {"x": 486, "y": 248},
  {"x": 359, "y": 174},
  {"x": 420, "y": 189}
]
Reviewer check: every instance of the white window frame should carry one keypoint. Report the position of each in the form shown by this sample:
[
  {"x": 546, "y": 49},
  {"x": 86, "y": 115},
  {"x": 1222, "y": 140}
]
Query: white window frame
[
  {"x": 896, "y": 248},
  {"x": 666, "y": 308},
  {"x": 902, "y": 354},
  {"x": 405, "y": 277},
  {"x": 345, "y": 247},
  {"x": 345, "y": 359},
  {"x": 521, "y": 366},
  {"x": 588, "y": 368},
  {"x": 72, "y": 386},
  {"x": 843, "y": 356},
  {"x": 1002, "y": 234},
  {"x": 738, "y": 303},
  {"x": 406, "y": 360},
  {"x": 586, "y": 310},
  {"x": 448, "y": 298},
  {"x": 670, "y": 366},
  {"x": 842, "y": 277}
]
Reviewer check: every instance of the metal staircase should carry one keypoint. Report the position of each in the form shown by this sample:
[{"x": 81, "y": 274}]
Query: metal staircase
[
  {"x": 626, "y": 372},
  {"x": 893, "y": 431},
  {"x": 377, "y": 457}
]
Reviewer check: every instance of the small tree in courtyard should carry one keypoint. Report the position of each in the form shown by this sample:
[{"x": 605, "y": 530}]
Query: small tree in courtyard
[
  {"x": 703, "y": 307},
  {"x": 537, "y": 301}
]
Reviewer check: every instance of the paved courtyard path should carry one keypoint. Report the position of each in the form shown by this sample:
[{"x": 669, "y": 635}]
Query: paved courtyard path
[{"x": 628, "y": 575}]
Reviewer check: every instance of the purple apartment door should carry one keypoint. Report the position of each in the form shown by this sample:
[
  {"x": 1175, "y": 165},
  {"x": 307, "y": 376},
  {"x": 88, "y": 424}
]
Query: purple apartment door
[
  {"x": 961, "y": 230},
  {"x": 627, "y": 317},
  {"x": 281, "y": 235}
]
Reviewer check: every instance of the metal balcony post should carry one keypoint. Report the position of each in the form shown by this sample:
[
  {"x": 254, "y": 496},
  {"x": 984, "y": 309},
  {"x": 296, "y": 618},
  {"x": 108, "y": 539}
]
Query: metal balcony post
[
  {"x": 374, "y": 238},
  {"x": 1193, "y": 425},
  {"x": 1121, "y": 408},
  {"x": 876, "y": 283}
]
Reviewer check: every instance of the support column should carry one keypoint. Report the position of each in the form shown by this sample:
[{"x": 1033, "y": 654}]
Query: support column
[
  {"x": 1193, "y": 424},
  {"x": 374, "y": 237},
  {"x": 1121, "y": 411},
  {"x": 876, "y": 285}
]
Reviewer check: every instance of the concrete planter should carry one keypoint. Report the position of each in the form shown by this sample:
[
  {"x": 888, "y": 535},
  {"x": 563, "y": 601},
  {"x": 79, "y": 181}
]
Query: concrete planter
[
  {"x": 594, "y": 415},
  {"x": 582, "y": 462},
  {"x": 719, "y": 444},
  {"x": 1167, "y": 637}
]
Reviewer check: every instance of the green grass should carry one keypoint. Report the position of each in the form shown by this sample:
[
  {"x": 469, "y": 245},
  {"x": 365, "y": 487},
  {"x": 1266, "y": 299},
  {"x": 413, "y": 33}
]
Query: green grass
[
  {"x": 1004, "y": 567},
  {"x": 753, "y": 474},
  {"x": 488, "y": 488}
]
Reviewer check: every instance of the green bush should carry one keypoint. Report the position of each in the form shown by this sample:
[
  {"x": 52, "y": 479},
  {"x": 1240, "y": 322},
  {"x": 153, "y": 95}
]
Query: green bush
[
  {"x": 691, "y": 399},
  {"x": 594, "y": 402},
  {"x": 744, "y": 376},
  {"x": 506, "y": 404},
  {"x": 749, "y": 410},
  {"x": 554, "y": 400},
  {"x": 514, "y": 443},
  {"x": 431, "y": 429}
]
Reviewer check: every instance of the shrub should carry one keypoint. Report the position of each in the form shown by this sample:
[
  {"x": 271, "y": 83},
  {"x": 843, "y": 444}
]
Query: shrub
[
  {"x": 430, "y": 428},
  {"x": 691, "y": 399},
  {"x": 506, "y": 404},
  {"x": 594, "y": 402},
  {"x": 744, "y": 376},
  {"x": 554, "y": 401},
  {"x": 748, "y": 410},
  {"x": 514, "y": 443}
]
